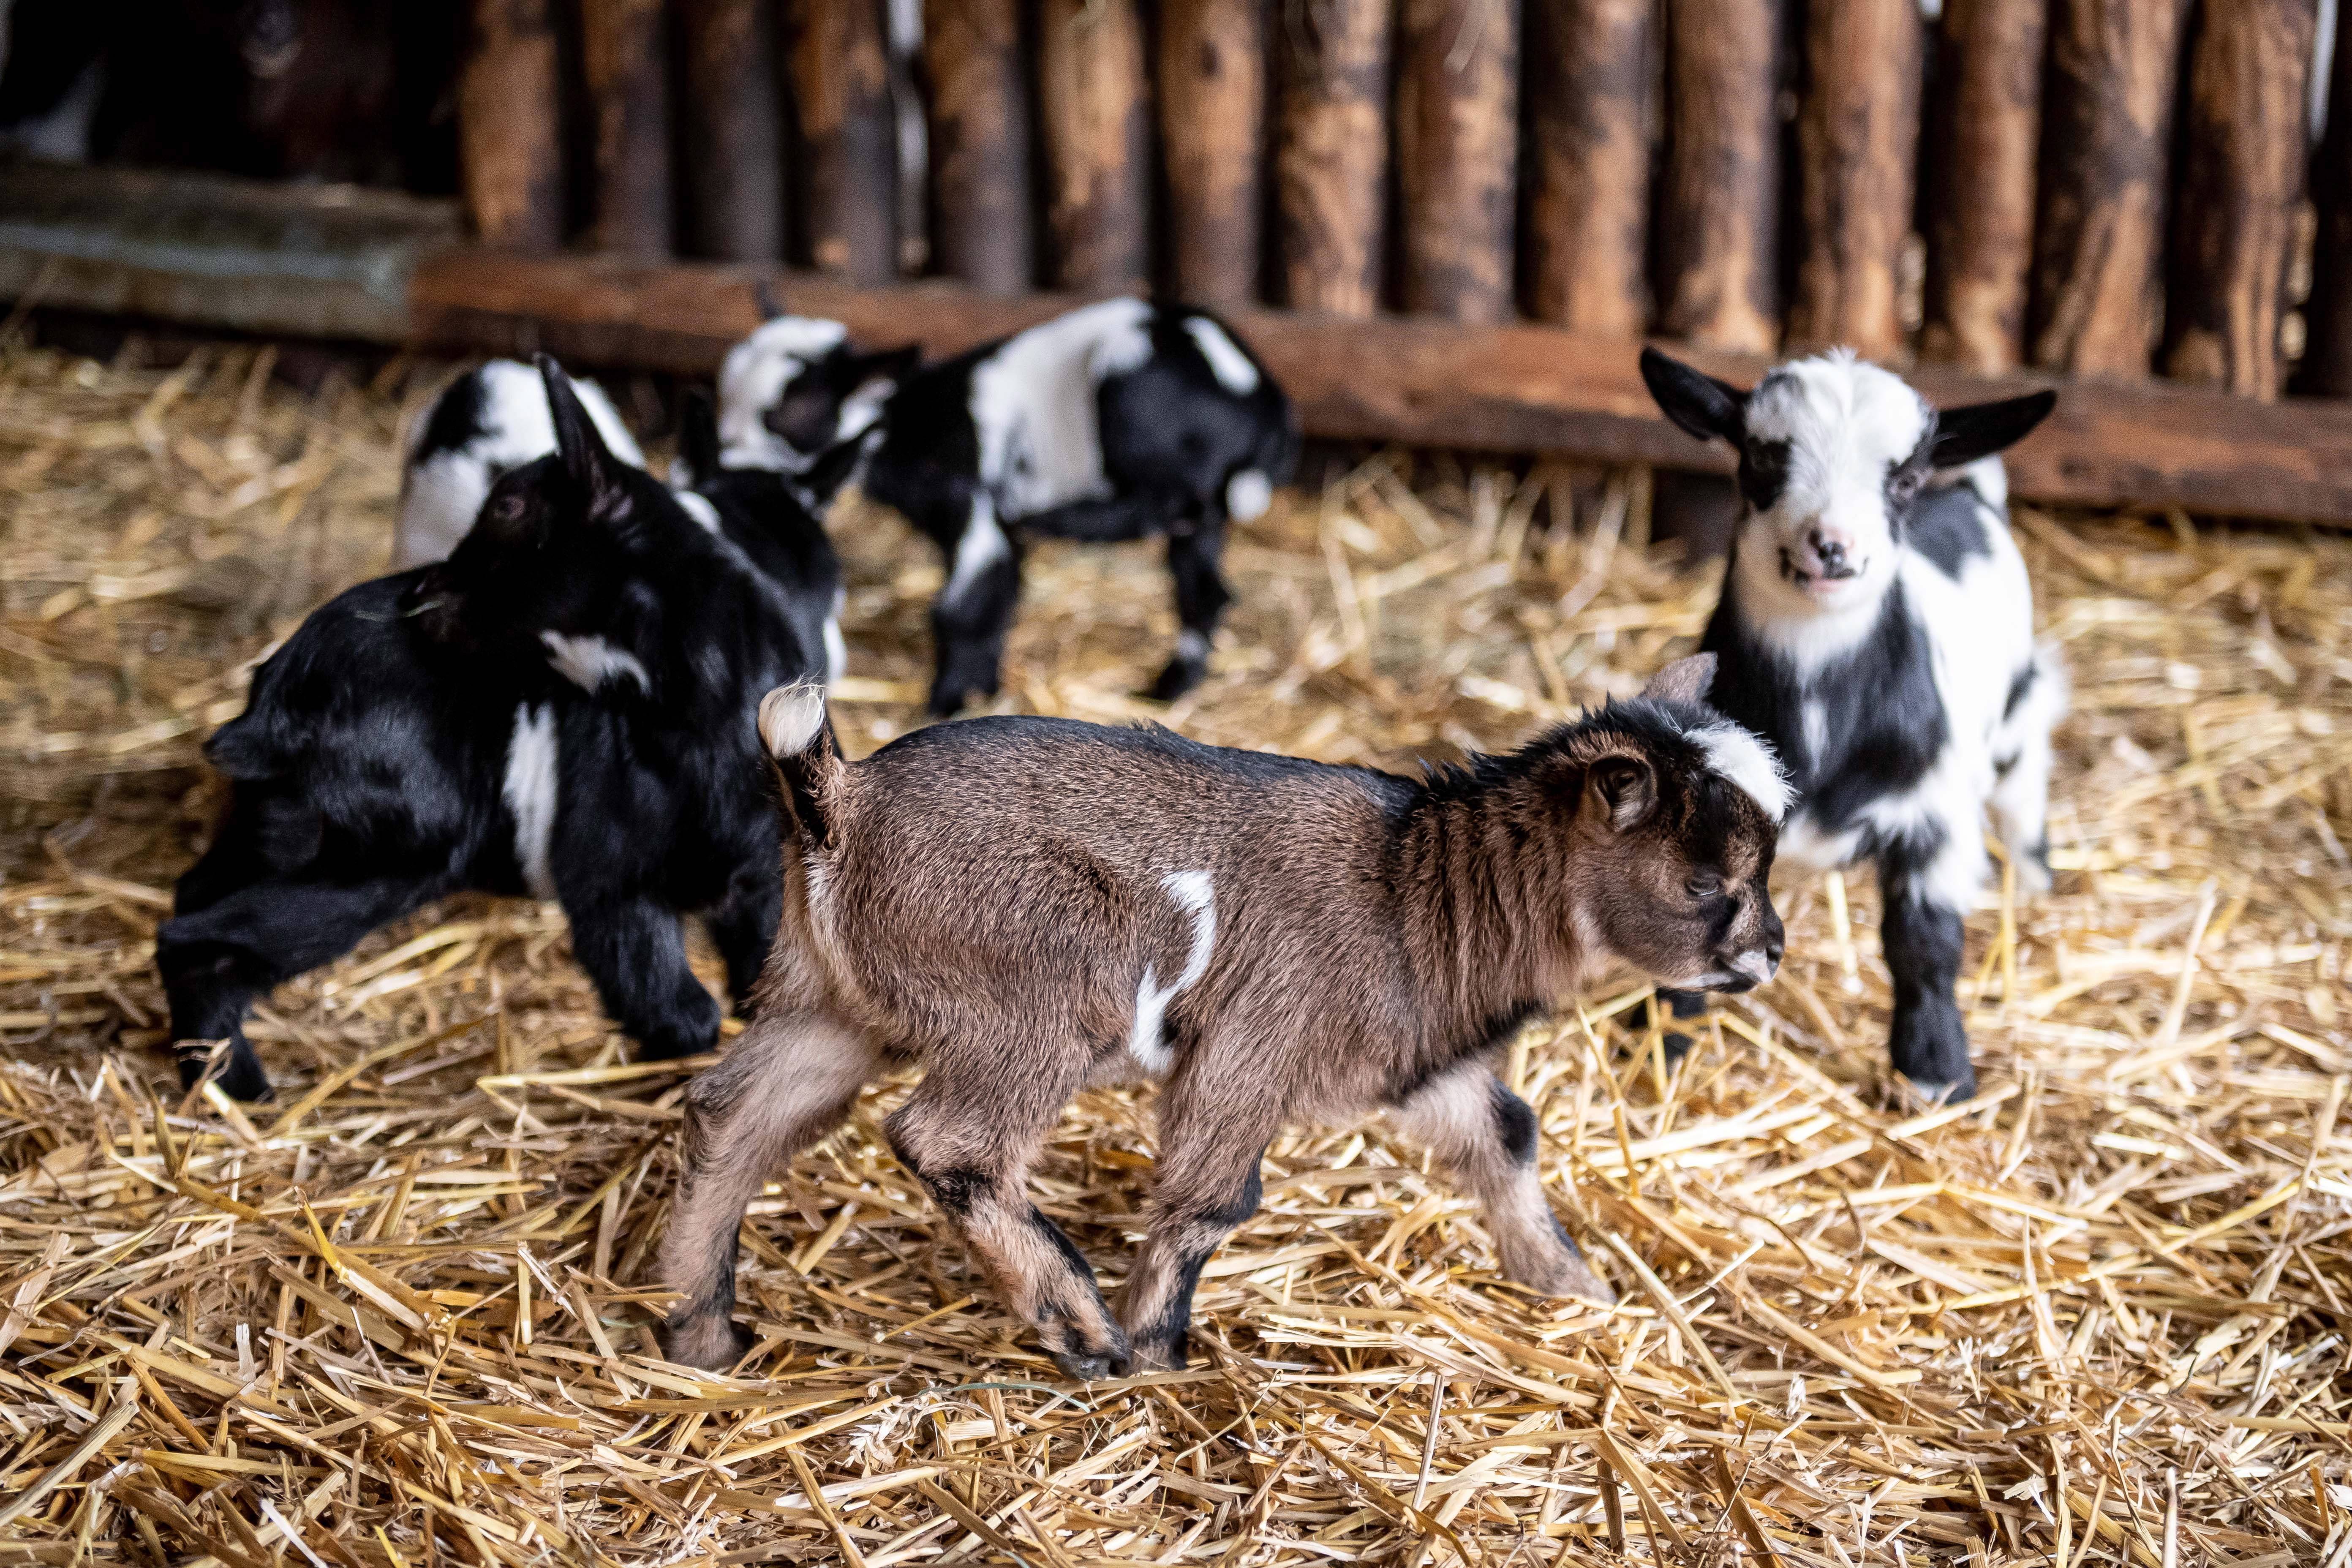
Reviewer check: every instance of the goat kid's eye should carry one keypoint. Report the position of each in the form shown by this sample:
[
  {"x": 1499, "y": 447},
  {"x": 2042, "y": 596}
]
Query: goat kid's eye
[{"x": 1704, "y": 887}]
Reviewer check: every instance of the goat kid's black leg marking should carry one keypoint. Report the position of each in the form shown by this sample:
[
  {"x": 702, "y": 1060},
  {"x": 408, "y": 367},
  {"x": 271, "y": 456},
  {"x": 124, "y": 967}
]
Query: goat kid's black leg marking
[
  {"x": 1924, "y": 941},
  {"x": 743, "y": 926},
  {"x": 969, "y": 1136},
  {"x": 969, "y": 623},
  {"x": 216, "y": 959},
  {"x": 1200, "y": 600},
  {"x": 634, "y": 950},
  {"x": 1487, "y": 1136},
  {"x": 790, "y": 1079}
]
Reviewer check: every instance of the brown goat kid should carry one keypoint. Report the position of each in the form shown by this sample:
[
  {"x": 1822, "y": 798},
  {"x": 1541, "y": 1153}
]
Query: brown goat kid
[{"x": 1030, "y": 906}]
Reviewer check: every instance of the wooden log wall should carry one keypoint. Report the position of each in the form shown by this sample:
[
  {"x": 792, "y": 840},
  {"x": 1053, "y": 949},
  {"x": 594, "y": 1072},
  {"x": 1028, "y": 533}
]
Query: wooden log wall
[{"x": 1746, "y": 176}]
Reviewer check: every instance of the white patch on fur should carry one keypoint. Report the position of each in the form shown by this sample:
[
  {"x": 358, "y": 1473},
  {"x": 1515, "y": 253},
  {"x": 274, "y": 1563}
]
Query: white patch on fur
[
  {"x": 441, "y": 497},
  {"x": 756, "y": 374},
  {"x": 862, "y": 409},
  {"x": 979, "y": 546},
  {"x": 1192, "y": 645},
  {"x": 1233, "y": 370},
  {"x": 590, "y": 661},
  {"x": 1147, "y": 1040},
  {"x": 790, "y": 716},
  {"x": 529, "y": 791},
  {"x": 698, "y": 508},
  {"x": 1747, "y": 761},
  {"x": 836, "y": 651},
  {"x": 1247, "y": 495},
  {"x": 1033, "y": 405}
]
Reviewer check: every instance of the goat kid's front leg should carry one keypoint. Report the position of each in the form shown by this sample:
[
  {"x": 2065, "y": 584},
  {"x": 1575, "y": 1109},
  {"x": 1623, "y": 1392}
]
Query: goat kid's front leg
[
  {"x": 1487, "y": 1136},
  {"x": 1923, "y": 937},
  {"x": 974, "y": 612},
  {"x": 1201, "y": 599},
  {"x": 790, "y": 1079},
  {"x": 634, "y": 948},
  {"x": 969, "y": 1137}
]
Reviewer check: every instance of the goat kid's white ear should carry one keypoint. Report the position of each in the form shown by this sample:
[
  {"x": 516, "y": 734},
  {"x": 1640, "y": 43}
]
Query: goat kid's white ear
[
  {"x": 1684, "y": 680},
  {"x": 1694, "y": 400},
  {"x": 1620, "y": 790}
]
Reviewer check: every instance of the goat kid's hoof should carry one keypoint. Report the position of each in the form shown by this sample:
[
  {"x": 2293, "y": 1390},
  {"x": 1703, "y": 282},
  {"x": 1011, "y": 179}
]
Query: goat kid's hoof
[
  {"x": 1918, "y": 1095},
  {"x": 708, "y": 1345},
  {"x": 238, "y": 1075},
  {"x": 1179, "y": 676},
  {"x": 1083, "y": 1366},
  {"x": 1567, "y": 1277}
]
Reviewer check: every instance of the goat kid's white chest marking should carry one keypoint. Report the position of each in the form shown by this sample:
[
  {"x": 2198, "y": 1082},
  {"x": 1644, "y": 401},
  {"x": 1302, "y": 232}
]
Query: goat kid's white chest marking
[
  {"x": 530, "y": 793},
  {"x": 1147, "y": 1038}
]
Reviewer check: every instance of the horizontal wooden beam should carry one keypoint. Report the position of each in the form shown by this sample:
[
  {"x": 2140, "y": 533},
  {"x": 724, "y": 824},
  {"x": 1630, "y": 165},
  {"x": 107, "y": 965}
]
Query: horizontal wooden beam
[
  {"x": 330, "y": 261},
  {"x": 1423, "y": 383}
]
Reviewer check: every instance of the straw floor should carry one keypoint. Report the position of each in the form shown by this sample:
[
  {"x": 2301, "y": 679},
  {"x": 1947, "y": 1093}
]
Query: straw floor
[{"x": 399, "y": 1316}]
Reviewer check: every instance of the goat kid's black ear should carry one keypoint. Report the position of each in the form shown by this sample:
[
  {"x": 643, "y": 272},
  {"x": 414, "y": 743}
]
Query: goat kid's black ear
[
  {"x": 1684, "y": 680},
  {"x": 890, "y": 365},
  {"x": 1980, "y": 429},
  {"x": 824, "y": 477},
  {"x": 698, "y": 434},
  {"x": 1694, "y": 400},
  {"x": 1620, "y": 790},
  {"x": 586, "y": 459}
]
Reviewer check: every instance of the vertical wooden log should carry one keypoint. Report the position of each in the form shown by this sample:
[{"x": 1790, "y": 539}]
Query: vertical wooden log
[
  {"x": 841, "y": 91},
  {"x": 1858, "y": 135},
  {"x": 2326, "y": 369},
  {"x": 733, "y": 129},
  {"x": 1719, "y": 210},
  {"x": 1986, "y": 131},
  {"x": 980, "y": 216},
  {"x": 1095, "y": 104},
  {"x": 1457, "y": 155},
  {"x": 1334, "y": 152},
  {"x": 1213, "y": 134},
  {"x": 2233, "y": 229},
  {"x": 509, "y": 126},
  {"x": 1588, "y": 76},
  {"x": 2107, "y": 131},
  {"x": 624, "y": 57}
]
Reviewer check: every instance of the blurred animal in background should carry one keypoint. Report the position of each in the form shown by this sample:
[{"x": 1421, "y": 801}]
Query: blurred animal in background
[
  {"x": 1028, "y": 906},
  {"x": 1119, "y": 420},
  {"x": 796, "y": 390},
  {"x": 563, "y": 708},
  {"x": 487, "y": 423},
  {"x": 1877, "y": 625},
  {"x": 286, "y": 89}
]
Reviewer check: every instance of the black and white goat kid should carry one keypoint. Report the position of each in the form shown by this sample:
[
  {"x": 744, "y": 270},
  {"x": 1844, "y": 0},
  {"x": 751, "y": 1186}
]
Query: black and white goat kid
[
  {"x": 1877, "y": 625},
  {"x": 563, "y": 708},
  {"x": 488, "y": 421},
  {"x": 1119, "y": 420}
]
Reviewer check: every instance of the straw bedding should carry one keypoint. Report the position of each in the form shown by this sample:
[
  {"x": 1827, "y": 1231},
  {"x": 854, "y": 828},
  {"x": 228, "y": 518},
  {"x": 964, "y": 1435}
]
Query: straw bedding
[{"x": 398, "y": 1315}]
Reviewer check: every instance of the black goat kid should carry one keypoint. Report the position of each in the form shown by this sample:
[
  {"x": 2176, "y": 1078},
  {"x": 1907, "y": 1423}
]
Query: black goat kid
[{"x": 564, "y": 707}]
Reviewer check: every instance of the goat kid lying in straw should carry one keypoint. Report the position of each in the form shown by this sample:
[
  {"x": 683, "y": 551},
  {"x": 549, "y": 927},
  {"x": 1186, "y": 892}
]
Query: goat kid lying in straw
[{"x": 1032, "y": 906}]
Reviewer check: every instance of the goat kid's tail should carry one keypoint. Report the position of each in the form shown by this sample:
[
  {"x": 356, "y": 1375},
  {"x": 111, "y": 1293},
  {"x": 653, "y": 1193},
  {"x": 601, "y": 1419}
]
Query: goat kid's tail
[{"x": 794, "y": 730}]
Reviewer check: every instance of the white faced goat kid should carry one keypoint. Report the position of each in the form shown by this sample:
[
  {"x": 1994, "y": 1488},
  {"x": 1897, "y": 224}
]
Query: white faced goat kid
[{"x": 1877, "y": 625}]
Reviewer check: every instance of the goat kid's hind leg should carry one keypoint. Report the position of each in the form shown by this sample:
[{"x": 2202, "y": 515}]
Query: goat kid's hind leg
[
  {"x": 743, "y": 925},
  {"x": 974, "y": 611},
  {"x": 1487, "y": 1136},
  {"x": 968, "y": 1135},
  {"x": 790, "y": 1079},
  {"x": 1923, "y": 937},
  {"x": 634, "y": 948},
  {"x": 1201, "y": 599},
  {"x": 2020, "y": 808}
]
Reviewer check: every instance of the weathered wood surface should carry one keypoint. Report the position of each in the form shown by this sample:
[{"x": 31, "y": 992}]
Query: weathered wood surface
[
  {"x": 1982, "y": 146},
  {"x": 1096, "y": 102},
  {"x": 1858, "y": 138},
  {"x": 2106, "y": 128},
  {"x": 510, "y": 155},
  {"x": 1457, "y": 156},
  {"x": 2233, "y": 229},
  {"x": 1719, "y": 210},
  {"x": 1332, "y": 162},
  {"x": 982, "y": 224},
  {"x": 1419, "y": 382},
  {"x": 624, "y": 59},
  {"x": 2326, "y": 368},
  {"x": 849, "y": 181},
  {"x": 1212, "y": 128},
  {"x": 1587, "y": 84},
  {"x": 731, "y": 124}
]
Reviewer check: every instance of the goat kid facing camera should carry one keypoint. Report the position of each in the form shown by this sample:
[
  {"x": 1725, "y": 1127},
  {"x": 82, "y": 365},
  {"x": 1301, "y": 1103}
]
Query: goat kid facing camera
[
  {"x": 1876, "y": 626},
  {"x": 1026, "y": 907}
]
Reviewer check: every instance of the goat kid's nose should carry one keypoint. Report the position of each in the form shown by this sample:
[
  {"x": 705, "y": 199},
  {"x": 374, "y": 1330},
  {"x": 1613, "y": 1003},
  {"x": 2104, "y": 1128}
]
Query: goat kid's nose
[
  {"x": 1829, "y": 548},
  {"x": 1756, "y": 965}
]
